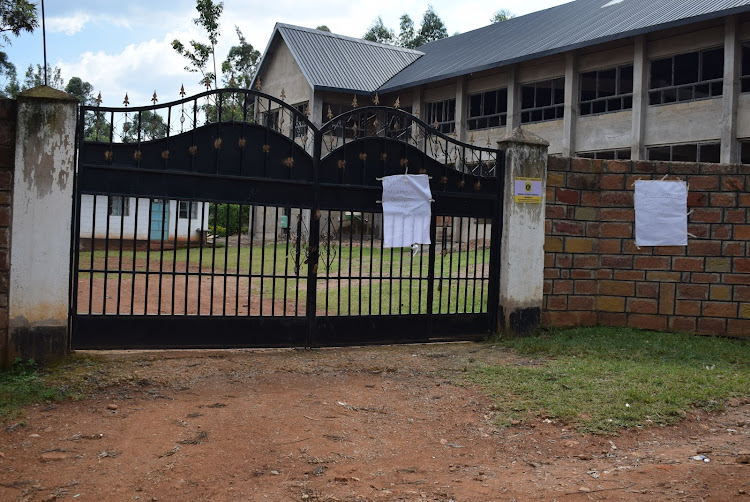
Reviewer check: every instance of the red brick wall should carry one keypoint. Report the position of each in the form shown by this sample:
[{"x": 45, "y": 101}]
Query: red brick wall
[
  {"x": 595, "y": 274},
  {"x": 7, "y": 154}
]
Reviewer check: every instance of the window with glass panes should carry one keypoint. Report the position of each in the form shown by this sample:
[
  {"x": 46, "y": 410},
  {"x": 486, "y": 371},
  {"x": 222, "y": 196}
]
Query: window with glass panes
[
  {"x": 687, "y": 77},
  {"x": 686, "y": 152},
  {"x": 609, "y": 90},
  {"x": 543, "y": 100},
  {"x": 300, "y": 127},
  {"x": 118, "y": 206},
  {"x": 186, "y": 208},
  {"x": 488, "y": 109},
  {"x": 443, "y": 113},
  {"x": 619, "y": 154},
  {"x": 745, "y": 152}
]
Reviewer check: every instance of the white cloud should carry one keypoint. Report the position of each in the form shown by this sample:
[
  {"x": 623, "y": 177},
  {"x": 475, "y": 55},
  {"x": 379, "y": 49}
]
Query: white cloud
[
  {"x": 139, "y": 69},
  {"x": 74, "y": 23},
  {"x": 70, "y": 25}
]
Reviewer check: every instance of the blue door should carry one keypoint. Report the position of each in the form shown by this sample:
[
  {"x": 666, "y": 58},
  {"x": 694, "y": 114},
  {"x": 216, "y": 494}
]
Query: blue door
[{"x": 159, "y": 219}]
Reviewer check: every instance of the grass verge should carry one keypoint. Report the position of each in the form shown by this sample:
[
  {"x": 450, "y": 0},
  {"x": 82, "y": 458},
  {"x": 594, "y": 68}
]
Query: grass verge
[
  {"x": 23, "y": 384},
  {"x": 604, "y": 379}
]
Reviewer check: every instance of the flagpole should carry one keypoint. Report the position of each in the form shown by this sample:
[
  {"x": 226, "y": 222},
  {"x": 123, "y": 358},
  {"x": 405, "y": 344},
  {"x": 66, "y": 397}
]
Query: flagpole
[{"x": 44, "y": 42}]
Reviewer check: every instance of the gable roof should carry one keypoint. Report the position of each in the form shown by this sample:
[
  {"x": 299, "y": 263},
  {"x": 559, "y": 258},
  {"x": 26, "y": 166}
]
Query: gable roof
[
  {"x": 569, "y": 26},
  {"x": 338, "y": 63}
]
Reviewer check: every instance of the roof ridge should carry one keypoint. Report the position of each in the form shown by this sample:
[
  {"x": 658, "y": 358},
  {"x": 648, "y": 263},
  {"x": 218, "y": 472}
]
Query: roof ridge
[{"x": 351, "y": 39}]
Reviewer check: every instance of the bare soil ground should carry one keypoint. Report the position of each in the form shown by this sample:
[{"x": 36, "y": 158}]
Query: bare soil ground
[{"x": 388, "y": 423}]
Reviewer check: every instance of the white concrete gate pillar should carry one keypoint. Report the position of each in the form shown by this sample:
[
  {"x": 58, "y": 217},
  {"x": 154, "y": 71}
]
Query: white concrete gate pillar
[
  {"x": 42, "y": 218},
  {"x": 522, "y": 243}
]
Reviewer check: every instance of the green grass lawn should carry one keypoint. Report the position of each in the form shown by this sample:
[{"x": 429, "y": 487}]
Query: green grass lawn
[
  {"x": 603, "y": 379},
  {"x": 383, "y": 281},
  {"x": 337, "y": 261}
]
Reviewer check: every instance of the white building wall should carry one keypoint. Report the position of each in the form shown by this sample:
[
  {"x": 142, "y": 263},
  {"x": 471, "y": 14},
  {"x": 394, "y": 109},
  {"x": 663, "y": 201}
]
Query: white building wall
[
  {"x": 691, "y": 121},
  {"x": 607, "y": 131},
  {"x": 128, "y": 223},
  {"x": 551, "y": 131}
]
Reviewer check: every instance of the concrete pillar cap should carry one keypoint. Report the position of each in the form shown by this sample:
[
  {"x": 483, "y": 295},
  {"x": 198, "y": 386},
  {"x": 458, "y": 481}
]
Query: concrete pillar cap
[
  {"x": 46, "y": 92},
  {"x": 522, "y": 136}
]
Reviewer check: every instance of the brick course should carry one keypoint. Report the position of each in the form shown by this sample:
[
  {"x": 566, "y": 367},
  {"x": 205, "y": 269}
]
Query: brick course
[
  {"x": 7, "y": 152},
  {"x": 596, "y": 275}
]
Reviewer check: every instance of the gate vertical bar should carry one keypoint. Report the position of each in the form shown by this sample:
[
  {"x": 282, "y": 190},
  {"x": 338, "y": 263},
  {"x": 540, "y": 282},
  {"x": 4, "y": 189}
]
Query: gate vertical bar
[
  {"x": 314, "y": 243},
  {"x": 496, "y": 234},
  {"x": 75, "y": 238}
]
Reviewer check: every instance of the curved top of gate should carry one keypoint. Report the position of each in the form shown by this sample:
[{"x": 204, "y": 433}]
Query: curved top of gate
[
  {"x": 225, "y": 132},
  {"x": 395, "y": 124},
  {"x": 228, "y": 105}
]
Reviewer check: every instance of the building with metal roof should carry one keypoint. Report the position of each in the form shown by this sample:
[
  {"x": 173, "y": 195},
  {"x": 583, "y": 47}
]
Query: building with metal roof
[{"x": 636, "y": 79}]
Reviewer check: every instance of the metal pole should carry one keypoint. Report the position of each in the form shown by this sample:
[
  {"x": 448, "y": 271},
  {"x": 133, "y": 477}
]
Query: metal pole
[{"x": 44, "y": 43}]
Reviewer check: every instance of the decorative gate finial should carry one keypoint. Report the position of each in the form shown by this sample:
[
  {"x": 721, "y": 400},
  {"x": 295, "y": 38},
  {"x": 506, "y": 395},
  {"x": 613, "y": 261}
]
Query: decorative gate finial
[
  {"x": 182, "y": 90},
  {"x": 153, "y": 99},
  {"x": 376, "y": 101}
]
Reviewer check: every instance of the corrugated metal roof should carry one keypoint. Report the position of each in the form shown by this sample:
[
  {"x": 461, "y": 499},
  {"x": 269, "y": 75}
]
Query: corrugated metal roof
[
  {"x": 336, "y": 62},
  {"x": 565, "y": 27}
]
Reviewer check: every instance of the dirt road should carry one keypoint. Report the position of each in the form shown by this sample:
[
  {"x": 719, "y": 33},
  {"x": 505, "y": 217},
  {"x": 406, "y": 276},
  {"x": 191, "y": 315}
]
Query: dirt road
[{"x": 355, "y": 424}]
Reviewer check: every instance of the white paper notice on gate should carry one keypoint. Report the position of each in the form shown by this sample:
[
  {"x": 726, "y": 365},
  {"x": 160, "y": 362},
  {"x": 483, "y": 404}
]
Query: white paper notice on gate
[
  {"x": 660, "y": 213},
  {"x": 406, "y": 210}
]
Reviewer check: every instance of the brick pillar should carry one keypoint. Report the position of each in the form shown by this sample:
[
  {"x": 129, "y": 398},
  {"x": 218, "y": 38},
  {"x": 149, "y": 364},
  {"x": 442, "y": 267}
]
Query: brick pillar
[
  {"x": 42, "y": 215},
  {"x": 522, "y": 243},
  {"x": 7, "y": 151}
]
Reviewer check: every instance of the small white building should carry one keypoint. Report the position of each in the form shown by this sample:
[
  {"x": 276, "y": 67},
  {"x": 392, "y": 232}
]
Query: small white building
[{"x": 143, "y": 219}]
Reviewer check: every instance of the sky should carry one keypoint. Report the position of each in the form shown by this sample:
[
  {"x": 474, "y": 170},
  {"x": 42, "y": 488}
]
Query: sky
[{"x": 125, "y": 47}]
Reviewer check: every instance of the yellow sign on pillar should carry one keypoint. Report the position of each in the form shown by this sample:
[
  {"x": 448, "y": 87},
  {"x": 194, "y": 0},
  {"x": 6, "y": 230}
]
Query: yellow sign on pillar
[{"x": 528, "y": 190}]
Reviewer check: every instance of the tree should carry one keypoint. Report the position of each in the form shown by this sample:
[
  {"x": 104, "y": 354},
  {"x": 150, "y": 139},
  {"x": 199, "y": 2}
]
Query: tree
[
  {"x": 241, "y": 63},
  {"x": 198, "y": 57},
  {"x": 16, "y": 16},
  {"x": 406, "y": 35},
  {"x": 34, "y": 77},
  {"x": 432, "y": 28},
  {"x": 81, "y": 90},
  {"x": 11, "y": 86},
  {"x": 502, "y": 15},
  {"x": 379, "y": 33},
  {"x": 323, "y": 27},
  {"x": 150, "y": 124}
]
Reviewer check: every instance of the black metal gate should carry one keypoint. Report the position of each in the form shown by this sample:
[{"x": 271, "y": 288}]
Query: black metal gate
[{"x": 229, "y": 220}]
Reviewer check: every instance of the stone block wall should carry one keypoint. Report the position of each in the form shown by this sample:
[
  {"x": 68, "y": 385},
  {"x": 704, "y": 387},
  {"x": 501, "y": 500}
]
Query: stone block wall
[
  {"x": 7, "y": 154},
  {"x": 595, "y": 274}
]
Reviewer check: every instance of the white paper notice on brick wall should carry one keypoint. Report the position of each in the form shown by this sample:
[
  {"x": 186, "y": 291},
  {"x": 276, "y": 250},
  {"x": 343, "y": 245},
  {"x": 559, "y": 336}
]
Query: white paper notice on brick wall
[{"x": 660, "y": 213}]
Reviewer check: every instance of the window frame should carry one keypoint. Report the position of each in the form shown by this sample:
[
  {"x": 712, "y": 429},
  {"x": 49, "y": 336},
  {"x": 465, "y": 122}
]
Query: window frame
[
  {"x": 299, "y": 127},
  {"x": 745, "y": 67},
  {"x": 446, "y": 123},
  {"x": 698, "y": 147},
  {"x": 473, "y": 121},
  {"x": 678, "y": 93},
  {"x": 182, "y": 209},
  {"x": 743, "y": 156},
  {"x": 118, "y": 206},
  {"x": 625, "y": 99},
  {"x": 528, "y": 114},
  {"x": 611, "y": 154}
]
